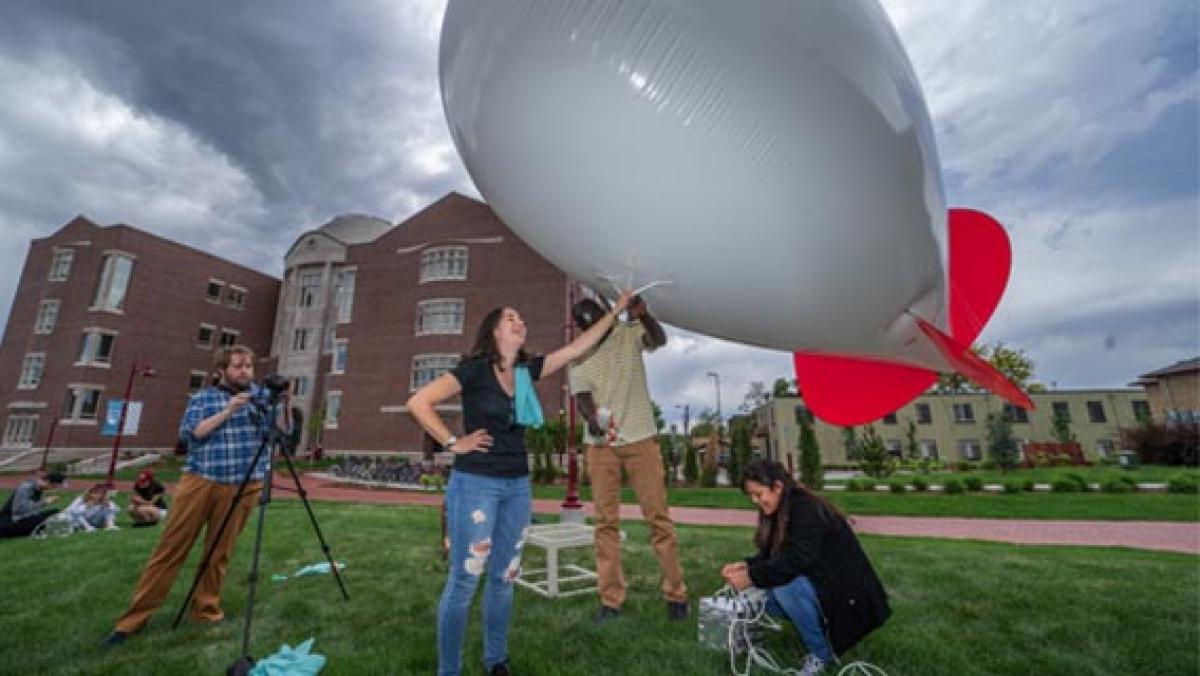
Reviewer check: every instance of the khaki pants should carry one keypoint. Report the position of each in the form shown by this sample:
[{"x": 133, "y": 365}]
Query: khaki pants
[
  {"x": 198, "y": 503},
  {"x": 643, "y": 464}
]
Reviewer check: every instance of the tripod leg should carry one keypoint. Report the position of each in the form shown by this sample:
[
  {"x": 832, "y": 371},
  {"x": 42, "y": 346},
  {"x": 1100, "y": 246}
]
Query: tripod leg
[
  {"x": 316, "y": 527},
  {"x": 263, "y": 501}
]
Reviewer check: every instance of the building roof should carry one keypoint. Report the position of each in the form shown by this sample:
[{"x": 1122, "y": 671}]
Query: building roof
[
  {"x": 355, "y": 228},
  {"x": 1185, "y": 366}
]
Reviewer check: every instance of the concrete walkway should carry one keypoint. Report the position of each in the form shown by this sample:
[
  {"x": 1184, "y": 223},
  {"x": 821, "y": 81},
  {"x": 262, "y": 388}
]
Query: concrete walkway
[{"x": 1168, "y": 536}]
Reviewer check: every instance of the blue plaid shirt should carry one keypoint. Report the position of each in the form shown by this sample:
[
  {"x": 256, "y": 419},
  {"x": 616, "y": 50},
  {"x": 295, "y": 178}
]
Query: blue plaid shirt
[{"x": 225, "y": 454}]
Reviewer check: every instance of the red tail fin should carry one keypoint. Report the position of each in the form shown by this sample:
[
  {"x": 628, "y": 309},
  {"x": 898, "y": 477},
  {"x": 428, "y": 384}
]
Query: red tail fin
[{"x": 851, "y": 390}]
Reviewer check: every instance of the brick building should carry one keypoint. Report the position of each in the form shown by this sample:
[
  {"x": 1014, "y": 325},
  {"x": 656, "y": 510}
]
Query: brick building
[{"x": 91, "y": 301}]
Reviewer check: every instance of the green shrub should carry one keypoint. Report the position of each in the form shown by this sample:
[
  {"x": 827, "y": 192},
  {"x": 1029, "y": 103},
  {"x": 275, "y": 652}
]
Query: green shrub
[
  {"x": 854, "y": 486},
  {"x": 1012, "y": 486},
  {"x": 1129, "y": 480},
  {"x": 1116, "y": 486},
  {"x": 1183, "y": 484},
  {"x": 896, "y": 486},
  {"x": 1084, "y": 487},
  {"x": 965, "y": 466},
  {"x": 1064, "y": 486},
  {"x": 1027, "y": 485},
  {"x": 920, "y": 484},
  {"x": 973, "y": 483},
  {"x": 953, "y": 486}
]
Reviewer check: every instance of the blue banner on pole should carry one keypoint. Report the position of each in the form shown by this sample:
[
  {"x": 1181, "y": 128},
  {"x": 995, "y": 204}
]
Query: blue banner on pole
[{"x": 113, "y": 415}]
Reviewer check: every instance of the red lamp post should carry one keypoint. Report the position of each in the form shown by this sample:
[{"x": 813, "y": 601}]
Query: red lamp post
[
  {"x": 134, "y": 370},
  {"x": 572, "y": 508}
]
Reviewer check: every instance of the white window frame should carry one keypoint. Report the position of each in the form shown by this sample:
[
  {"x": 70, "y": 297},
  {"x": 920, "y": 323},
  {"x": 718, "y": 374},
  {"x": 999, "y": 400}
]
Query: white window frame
[
  {"x": 75, "y": 415},
  {"x": 341, "y": 346},
  {"x": 970, "y": 449},
  {"x": 438, "y": 264},
  {"x": 443, "y": 363},
  {"x": 31, "y": 375},
  {"x": 226, "y": 331},
  {"x": 220, "y": 284},
  {"x": 300, "y": 386},
  {"x": 47, "y": 316},
  {"x": 305, "y": 298},
  {"x": 60, "y": 265},
  {"x": 102, "y": 300},
  {"x": 235, "y": 297},
  {"x": 925, "y": 446},
  {"x": 960, "y": 411},
  {"x": 89, "y": 349},
  {"x": 1105, "y": 448},
  {"x": 203, "y": 380},
  {"x": 331, "y": 421},
  {"x": 343, "y": 296},
  {"x": 20, "y": 430},
  {"x": 895, "y": 447},
  {"x": 212, "y": 335},
  {"x": 421, "y": 317},
  {"x": 300, "y": 336}
]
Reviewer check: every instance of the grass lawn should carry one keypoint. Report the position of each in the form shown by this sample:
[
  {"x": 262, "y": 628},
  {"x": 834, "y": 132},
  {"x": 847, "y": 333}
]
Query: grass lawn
[
  {"x": 1044, "y": 475},
  {"x": 1076, "y": 506},
  {"x": 960, "y": 607}
]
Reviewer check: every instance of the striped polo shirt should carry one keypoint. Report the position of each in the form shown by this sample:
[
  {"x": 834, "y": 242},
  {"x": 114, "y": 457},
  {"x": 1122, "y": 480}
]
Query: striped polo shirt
[{"x": 615, "y": 374}]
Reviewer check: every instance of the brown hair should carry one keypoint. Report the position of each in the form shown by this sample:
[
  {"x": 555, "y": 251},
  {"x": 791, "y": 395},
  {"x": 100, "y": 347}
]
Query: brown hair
[
  {"x": 485, "y": 342},
  {"x": 224, "y": 357},
  {"x": 773, "y": 529}
]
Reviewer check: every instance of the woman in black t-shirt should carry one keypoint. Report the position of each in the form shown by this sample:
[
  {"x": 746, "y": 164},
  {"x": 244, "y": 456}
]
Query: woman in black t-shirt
[{"x": 488, "y": 500}]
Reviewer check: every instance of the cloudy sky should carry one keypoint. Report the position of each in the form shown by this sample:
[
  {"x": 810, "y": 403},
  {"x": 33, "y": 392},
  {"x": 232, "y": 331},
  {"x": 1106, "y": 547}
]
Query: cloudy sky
[{"x": 234, "y": 126}]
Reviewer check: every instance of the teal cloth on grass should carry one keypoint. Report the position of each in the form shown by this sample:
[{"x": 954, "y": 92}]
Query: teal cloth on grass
[
  {"x": 290, "y": 661},
  {"x": 529, "y": 408}
]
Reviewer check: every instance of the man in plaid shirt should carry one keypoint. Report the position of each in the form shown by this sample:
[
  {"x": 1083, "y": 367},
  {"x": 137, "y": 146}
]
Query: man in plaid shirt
[{"x": 223, "y": 426}]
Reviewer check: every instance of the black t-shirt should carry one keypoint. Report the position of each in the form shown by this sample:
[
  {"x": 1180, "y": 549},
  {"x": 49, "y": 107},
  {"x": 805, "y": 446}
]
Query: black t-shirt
[
  {"x": 486, "y": 405},
  {"x": 153, "y": 491}
]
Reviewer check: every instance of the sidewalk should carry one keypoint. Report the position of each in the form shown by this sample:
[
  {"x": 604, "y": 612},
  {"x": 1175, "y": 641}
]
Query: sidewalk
[{"x": 1164, "y": 536}]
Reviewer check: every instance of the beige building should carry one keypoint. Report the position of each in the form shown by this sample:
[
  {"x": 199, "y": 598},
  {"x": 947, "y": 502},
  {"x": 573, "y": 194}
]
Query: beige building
[
  {"x": 953, "y": 427},
  {"x": 1174, "y": 391}
]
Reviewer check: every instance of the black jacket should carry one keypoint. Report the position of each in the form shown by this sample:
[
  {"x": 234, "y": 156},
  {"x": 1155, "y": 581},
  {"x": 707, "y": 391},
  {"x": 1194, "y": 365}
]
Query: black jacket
[{"x": 853, "y": 601}]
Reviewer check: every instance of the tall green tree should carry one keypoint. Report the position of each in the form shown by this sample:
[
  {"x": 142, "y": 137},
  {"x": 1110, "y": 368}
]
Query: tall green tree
[
  {"x": 1002, "y": 445},
  {"x": 756, "y": 396},
  {"x": 1060, "y": 426},
  {"x": 783, "y": 388},
  {"x": 691, "y": 464},
  {"x": 873, "y": 456},
  {"x": 812, "y": 473},
  {"x": 910, "y": 441},
  {"x": 739, "y": 452}
]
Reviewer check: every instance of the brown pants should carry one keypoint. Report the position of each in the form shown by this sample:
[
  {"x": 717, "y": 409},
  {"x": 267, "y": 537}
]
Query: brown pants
[
  {"x": 643, "y": 464},
  {"x": 198, "y": 503}
]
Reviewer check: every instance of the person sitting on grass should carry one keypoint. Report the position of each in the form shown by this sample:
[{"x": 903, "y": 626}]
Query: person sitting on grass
[
  {"x": 93, "y": 510},
  {"x": 26, "y": 508},
  {"x": 147, "y": 502},
  {"x": 810, "y": 564}
]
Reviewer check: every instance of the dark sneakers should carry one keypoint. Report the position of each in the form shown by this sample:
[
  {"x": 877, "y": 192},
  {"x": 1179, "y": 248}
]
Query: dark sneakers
[
  {"x": 114, "y": 639},
  {"x": 499, "y": 669},
  {"x": 677, "y": 610},
  {"x": 606, "y": 614}
]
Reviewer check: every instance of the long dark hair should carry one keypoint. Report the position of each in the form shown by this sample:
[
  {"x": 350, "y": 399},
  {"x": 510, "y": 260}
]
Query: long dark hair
[
  {"x": 485, "y": 342},
  {"x": 772, "y": 529}
]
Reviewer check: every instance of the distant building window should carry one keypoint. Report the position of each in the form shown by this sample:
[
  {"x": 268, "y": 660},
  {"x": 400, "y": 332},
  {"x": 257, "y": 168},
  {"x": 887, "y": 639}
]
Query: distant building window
[
  {"x": 82, "y": 403},
  {"x": 889, "y": 419},
  {"x": 229, "y": 337},
  {"x": 300, "y": 340},
  {"x": 963, "y": 413},
  {"x": 204, "y": 338},
  {"x": 924, "y": 414},
  {"x": 969, "y": 449},
  {"x": 1061, "y": 410},
  {"x": 300, "y": 386},
  {"x": 333, "y": 408},
  {"x": 894, "y": 448},
  {"x": 310, "y": 288},
  {"x": 1105, "y": 447},
  {"x": 803, "y": 415},
  {"x": 196, "y": 381},
  {"x": 114, "y": 283},
  {"x": 236, "y": 297},
  {"x": 60, "y": 265},
  {"x": 1095, "y": 411},
  {"x": 19, "y": 431},
  {"x": 343, "y": 296},
  {"x": 97, "y": 348},
  {"x": 47, "y": 317},
  {"x": 31, "y": 371},
  {"x": 444, "y": 263},
  {"x": 330, "y": 339},
  {"x": 1015, "y": 414},
  {"x": 929, "y": 448},
  {"x": 212, "y": 293},
  {"x": 340, "y": 350},
  {"x": 442, "y": 316},
  {"x": 427, "y": 367},
  {"x": 1141, "y": 410}
]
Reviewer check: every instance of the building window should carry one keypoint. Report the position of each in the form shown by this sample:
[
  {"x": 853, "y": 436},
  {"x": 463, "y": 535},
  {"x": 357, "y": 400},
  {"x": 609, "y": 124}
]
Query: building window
[
  {"x": 969, "y": 449},
  {"x": 19, "y": 431},
  {"x": 1061, "y": 411},
  {"x": 31, "y": 371},
  {"x": 204, "y": 338},
  {"x": 889, "y": 419},
  {"x": 196, "y": 381},
  {"x": 229, "y": 337},
  {"x": 300, "y": 386},
  {"x": 310, "y": 287},
  {"x": 343, "y": 295},
  {"x": 1095, "y": 411},
  {"x": 340, "y": 349},
  {"x": 427, "y": 367},
  {"x": 330, "y": 339},
  {"x": 894, "y": 448},
  {"x": 300, "y": 340},
  {"x": 1105, "y": 447},
  {"x": 929, "y": 449},
  {"x": 60, "y": 265},
  {"x": 803, "y": 415},
  {"x": 442, "y": 316},
  {"x": 333, "y": 409},
  {"x": 1015, "y": 414},
  {"x": 47, "y": 317},
  {"x": 444, "y": 263},
  {"x": 236, "y": 297},
  {"x": 1141, "y": 410},
  {"x": 963, "y": 414},
  {"x": 114, "y": 282},
  {"x": 82, "y": 403},
  {"x": 212, "y": 293},
  {"x": 924, "y": 414},
  {"x": 97, "y": 348}
]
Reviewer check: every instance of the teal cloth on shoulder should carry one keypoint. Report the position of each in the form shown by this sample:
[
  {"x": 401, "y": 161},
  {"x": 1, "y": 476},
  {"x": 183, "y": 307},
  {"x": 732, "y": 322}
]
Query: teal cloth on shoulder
[
  {"x": 290, "y": 661},
  {"x": 529, "y": 408}
]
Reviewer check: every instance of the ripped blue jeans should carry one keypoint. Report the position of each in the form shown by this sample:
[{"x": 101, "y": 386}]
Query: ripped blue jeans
[{"x": 486, "y": 518}]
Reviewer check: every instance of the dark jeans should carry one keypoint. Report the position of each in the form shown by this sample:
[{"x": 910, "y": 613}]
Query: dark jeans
[{"x": 23, "y": 527}]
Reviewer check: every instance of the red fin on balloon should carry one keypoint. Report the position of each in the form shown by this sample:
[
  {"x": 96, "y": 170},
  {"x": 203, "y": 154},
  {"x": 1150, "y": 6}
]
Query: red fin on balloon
[{"x": 844, "y": 390}]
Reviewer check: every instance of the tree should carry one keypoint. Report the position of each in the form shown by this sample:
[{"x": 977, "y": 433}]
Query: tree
[
  {"x": 756, "y": 396},
  {"x": 812, "y": 474},
  {"x": 1002, "y": 445},
  {"x": 708, "y": 474},
  {"x": 1013, "y": 363},
  {"x": 910, "y": 441},
  {"x": 664, "y": 442},
  {"x": 739, "y": 450},
  {"x": 1061, "y": 426},
  {"x": 850, "y": 439},
  {"x": 705, "y": 422},
  {"x": 783, "y": 388},
  {"x": 873, "y": 456},
  {"x": 691, "y": 466}
]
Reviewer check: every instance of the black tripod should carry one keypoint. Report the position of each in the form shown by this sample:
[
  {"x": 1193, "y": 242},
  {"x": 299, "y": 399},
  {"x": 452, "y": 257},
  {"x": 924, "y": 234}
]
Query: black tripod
[{"x": 273, "y": 440}]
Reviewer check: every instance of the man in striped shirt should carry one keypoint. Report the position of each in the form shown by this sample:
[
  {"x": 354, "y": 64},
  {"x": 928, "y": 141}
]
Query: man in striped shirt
[{"x": 223, "y": 427}]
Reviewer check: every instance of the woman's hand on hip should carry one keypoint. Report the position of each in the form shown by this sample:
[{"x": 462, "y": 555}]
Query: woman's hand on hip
[{"x": 477, "y": 441}]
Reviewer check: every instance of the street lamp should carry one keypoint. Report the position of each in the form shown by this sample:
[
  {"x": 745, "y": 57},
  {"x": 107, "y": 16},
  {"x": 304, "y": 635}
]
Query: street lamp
[
  {"x": 134, "y": 370},
  {"x": 717, "y": 377},
  {"x": 686, "y": 412}
]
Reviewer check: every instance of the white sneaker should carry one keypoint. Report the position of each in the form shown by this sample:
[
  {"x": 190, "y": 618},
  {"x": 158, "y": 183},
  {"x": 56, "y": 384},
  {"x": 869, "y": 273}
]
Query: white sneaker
[{"x": 812, "y": 665}]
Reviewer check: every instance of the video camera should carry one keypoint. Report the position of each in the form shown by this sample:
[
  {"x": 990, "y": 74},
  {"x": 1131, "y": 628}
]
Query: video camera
[{"x": 276, "y": 384}]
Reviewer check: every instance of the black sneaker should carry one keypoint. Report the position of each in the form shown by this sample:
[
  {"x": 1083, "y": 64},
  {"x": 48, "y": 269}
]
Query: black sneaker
[
  {"x": 677, "y": 610},
  {"x": 500, "y": 669},
  {"x": 606, "y": 614},
  {"x": 114, "y": 639}
]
